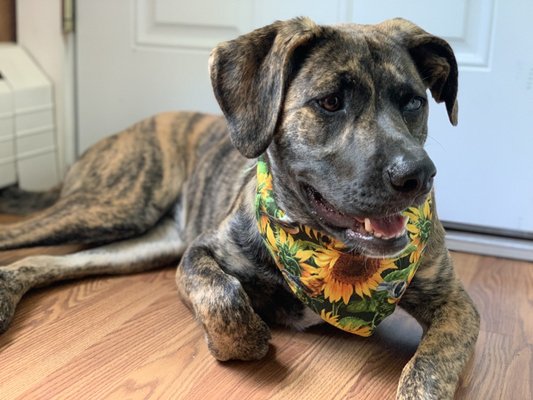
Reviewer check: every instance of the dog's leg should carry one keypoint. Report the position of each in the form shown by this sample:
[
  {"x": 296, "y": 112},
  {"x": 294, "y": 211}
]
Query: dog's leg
[
  {"x": 78, "y": 218},
  {"x": 438, "y": 301},
  {"x": 233, "y": 329},
  {"x": 15, "y": 201},
  {"x": 160, "y": 246}
]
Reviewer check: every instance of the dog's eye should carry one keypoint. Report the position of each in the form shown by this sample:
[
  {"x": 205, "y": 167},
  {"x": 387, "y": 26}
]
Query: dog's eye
[
  {"x": 331, "y": 103},
  {"x": 414, "y": 104}
]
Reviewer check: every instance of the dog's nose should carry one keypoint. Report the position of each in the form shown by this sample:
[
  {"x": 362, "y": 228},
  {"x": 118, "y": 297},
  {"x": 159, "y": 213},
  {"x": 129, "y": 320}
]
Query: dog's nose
[{"x": 412, "y": 176}]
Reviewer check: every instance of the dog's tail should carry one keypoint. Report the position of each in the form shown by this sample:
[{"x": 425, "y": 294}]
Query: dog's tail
[{"x": 17, "y": 201}]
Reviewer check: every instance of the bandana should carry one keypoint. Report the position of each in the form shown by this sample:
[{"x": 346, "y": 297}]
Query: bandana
[{"x": 350, "y": 291}]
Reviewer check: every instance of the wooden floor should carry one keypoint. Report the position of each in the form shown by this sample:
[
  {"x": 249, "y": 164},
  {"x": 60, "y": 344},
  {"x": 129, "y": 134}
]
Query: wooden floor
[{"x": 130, "y": 338}]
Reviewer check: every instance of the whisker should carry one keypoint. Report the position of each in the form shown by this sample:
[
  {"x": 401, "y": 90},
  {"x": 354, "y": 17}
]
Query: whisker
[{"x": 436, "y": 141}]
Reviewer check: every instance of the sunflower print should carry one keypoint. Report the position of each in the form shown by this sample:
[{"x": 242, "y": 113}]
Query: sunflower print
[
  {"x": 349, "y": 291},
  {"x": 419, "y": 227}
]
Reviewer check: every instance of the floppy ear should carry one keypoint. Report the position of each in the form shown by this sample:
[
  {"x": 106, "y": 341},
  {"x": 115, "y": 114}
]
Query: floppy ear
[
  {"x": 249, "y": 77},
  {"x": 434, "y": 60}
]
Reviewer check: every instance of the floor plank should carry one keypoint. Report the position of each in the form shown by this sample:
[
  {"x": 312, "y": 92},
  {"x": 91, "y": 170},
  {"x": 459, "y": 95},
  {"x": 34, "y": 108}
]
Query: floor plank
[{"x": 129, "y": 337}]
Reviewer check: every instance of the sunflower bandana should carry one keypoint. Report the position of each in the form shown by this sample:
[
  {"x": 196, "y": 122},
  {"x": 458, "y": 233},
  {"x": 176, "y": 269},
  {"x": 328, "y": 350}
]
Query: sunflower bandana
[{"x": 347, "y": 290}]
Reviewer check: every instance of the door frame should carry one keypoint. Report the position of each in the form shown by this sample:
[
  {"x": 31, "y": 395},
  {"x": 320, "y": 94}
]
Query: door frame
[{"x": 41, "y": 31}]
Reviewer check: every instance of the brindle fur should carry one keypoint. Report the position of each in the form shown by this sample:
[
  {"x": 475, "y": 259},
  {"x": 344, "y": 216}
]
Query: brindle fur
[{"x": 174, "y": 187}]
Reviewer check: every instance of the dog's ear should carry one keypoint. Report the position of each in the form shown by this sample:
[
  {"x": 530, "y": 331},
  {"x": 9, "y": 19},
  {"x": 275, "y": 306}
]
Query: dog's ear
[
  {"x": 249, "y": 77},
  {"x": 434, "y": 60}
]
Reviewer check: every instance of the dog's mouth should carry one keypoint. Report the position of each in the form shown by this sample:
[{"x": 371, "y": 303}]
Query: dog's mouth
[{"x": 375, "y": 236}]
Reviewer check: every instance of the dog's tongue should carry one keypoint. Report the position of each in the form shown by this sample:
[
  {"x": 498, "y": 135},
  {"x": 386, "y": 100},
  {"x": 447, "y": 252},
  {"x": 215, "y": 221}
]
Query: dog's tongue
[{"x": 388, "y": 226}]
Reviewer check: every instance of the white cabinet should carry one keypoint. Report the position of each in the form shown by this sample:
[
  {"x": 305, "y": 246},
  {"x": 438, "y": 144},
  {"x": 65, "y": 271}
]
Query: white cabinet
[{"x": 27, "y": 129}]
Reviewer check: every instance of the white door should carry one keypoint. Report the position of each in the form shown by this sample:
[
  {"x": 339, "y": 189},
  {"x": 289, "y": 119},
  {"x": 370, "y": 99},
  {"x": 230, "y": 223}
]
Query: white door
[{"x": 137, "y": 58}]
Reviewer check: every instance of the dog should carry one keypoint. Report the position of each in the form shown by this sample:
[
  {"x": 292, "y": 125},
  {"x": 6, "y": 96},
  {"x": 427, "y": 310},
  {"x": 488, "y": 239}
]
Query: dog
[{"x": 338, "y": 114}]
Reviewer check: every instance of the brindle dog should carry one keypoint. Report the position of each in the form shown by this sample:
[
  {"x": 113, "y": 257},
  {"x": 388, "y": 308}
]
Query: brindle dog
[{"x": 340, "y": 113}]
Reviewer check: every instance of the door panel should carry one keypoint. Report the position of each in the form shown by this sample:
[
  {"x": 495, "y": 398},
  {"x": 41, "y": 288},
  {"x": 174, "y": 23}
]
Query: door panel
[
  {"x": 466, "y": 25},
  {"x": 201, "y": 26},
  {"x": 132, "y": 65}
]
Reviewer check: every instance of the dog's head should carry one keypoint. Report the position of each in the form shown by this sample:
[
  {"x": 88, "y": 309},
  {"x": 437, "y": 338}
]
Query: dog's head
[{"x": 341, "y": 112}]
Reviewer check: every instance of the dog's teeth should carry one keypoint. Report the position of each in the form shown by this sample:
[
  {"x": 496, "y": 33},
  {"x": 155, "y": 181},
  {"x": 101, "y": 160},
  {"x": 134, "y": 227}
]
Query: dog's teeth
[
  {"x": 401, "y": 233},
  {"x": 378, "y": 235},
  {"x": 368, "y": 226}
]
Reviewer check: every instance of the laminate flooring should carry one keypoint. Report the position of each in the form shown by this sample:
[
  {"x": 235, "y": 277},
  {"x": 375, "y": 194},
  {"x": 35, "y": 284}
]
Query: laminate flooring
[{"x": 130, "y": 337}]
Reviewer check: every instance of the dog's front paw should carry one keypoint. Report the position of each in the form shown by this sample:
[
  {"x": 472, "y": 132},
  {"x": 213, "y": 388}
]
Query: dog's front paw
[
  {"x": 233, "y": 329},
  {"x": 421, "y": 380},
  {"x": 248, "y": 341},
  {"x": 10, "y": 294}
]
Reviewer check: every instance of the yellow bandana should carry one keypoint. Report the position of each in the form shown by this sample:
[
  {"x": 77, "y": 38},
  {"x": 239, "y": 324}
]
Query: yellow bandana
[{"x": 347, "y": 290}]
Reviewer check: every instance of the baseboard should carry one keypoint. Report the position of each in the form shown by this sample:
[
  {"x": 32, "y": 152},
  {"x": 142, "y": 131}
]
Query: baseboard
[{"x": 489, "y": 245}]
